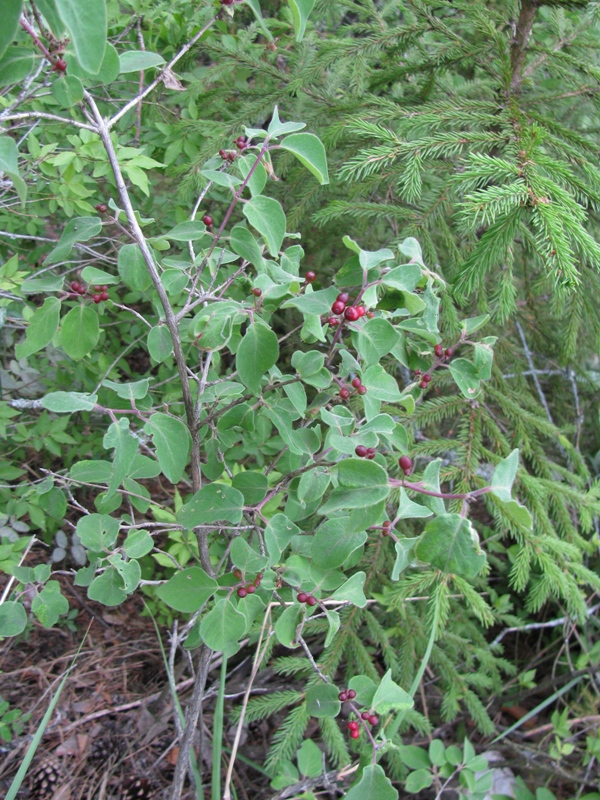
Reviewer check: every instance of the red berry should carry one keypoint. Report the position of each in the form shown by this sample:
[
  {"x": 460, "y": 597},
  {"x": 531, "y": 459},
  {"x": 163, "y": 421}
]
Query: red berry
[
  {"x": 361, "y": 311},
  {"x": 343, "y": 297},
  {"x": 60, "y": 65},
  {"x": 226, "y": 2},
  {"x": 302, "y": 597},
  {"x": 406, "y": 464},
  {"x": 370, "y": 314},
  {"x": 449, "y": 352},
  {"x": 310, "y": 276},
  {"x": 351, "y": 694},
  {"x": 75, "y": 286},
  {"x": 237, "y": 573},
  {"x": 250, "y": 589},
  {"x": 259, "y": 576},
  {"x": 354, "y": 734},
  {"x": 240, "y": 142},
  {"x": 241, "y": 592},
  {"x": 356, "y": 382},
  {"x": 438, "y": 350},
  {"x": 96, "y": 298},
  {"x": 423, "y": 384},
  {"x": 338, "y": 307},
  {"x": 104, "y": 296},
  {"x": 223, "y": 154},
  {"x": 97, "y": 288},
  {"x": 371, "y": 452},
  {"x": 311, "y": 601},
  {"x": 387, "y": 524},
  {"x": 256, "y": 292},
  {"x": 360, "y": 450},
  {"x": 427, "y": 377},
  {"x": 101, "y": 208},
  {"x": 82, "y": 289},
  {"x": 365, "y": 715},
  {"x": 207, "y": 220},
  {"x": 362, "y": 389},
  {"x": 343, "y": 696},
  {"x": 344, "y": 393},
  {"x": 257, "y": 581},
  {"x": 373, "y": 720},
  {"x": 352, "y": 725},
  {"x": 417, "y": 373},
  {"x": 333, "y": 321},
  {"x": 351, "y": 313},
  {"x": 231, "y": 156}
]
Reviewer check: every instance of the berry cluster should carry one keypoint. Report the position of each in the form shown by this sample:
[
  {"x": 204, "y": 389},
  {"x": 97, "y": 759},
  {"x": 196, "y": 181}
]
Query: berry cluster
[
  {"x": 406, "y": 464},
  {"x": 365, "y": 452},
  {"x": 357, "y": 384},
  {"x": 346, "y": 694},
  {"x": 442, "y": 355},
  {"x": 249, "y": 588},
  {"x": 101, "y": 208},
  {"x": 303, "y": 597},
  {"x": 207, "y": 220},
  {"x": 99, "y": 295},
  {"x": 227, "y": 155},
  {"x": 241, "y": 143},
  {"x": 386, "y": 528}
]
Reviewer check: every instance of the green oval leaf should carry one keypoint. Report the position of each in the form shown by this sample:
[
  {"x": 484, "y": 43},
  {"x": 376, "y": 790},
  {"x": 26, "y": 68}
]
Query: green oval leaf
[
  {"x": 132, "y": 268},
  {"x": 258, "y": 352},
  {"x": 373, "y": 785},
  {"x": 212, "y": 503},
  {"x": 188, "y": 590},
  {"x": 309, "y": 150},
  {"x": 41, "y": 329},
  {"x": 80, "y": 331},
  {"x": 267, "y": 216},
  {"x": 11, "y": 13},
  {"x": 173, "y": 443},
  {"x": 13, "y": 618},
  {"x": 86, "y": 22},
  {"x": 323, "y": 701},
  {"x": 80, "y": 229},
  {"x": 138, "y": 60}
]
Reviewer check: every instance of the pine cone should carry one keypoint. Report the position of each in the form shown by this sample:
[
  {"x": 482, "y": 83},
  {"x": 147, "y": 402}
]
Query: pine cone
[
  {"x": 45, "y": 779},
  {"x": 136, "y": 789}
]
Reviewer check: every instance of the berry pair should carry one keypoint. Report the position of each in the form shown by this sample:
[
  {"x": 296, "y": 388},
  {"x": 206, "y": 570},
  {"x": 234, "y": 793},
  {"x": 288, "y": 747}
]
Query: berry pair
[
  {"x": 346, "y": 694},
  {"x": 360, "y": 389},
  {"x": 303, "y": 597},
  {"x": 369, "y": 717},
  {"x": 241, "y": 143},
  {"x": 227, "y": 155},
  {"x": 365, "y": 452},
  {"x": 354, "y": 729},
  {"x": 425, "y": 380},
  {"x": 101, "y": 208},
  {"x": 250, "y": 588}
]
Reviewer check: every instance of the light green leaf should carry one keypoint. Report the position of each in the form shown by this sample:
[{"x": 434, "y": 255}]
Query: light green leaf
[
  {"x": 129, "y": 391},
  {"x": 247, "y": 558},
  {"x": 519, "y": 514},
  {"x": 278, "y": 128},
  {"x": 257, "y": 352},
  {"x": 405, "y": 553},
  {"x": 67, "y": 91},
  {"x": 504, "y": 477},
  {"x": 466, "y": 375},
  {"x": 187, "y": 590},
  {"x": 300, "y": 12},
  {"x": 11, "y": 13},
  {"x": 390, "y": 697},
  {"x": 267, "y": 216},
  {"x": 13, "y": 618},
  {"x": 212, "y": 503},
  {"x": 278, "y": 534},
  {"x": 412, "y": 249},
  {"x": 138, "y": 60},
  {"x": 352, "y": 590},
  {"x": 49, "y": 604},
  {"x": 361, "y": 484},
  {"x": 80, "y": 331},
  {"x": 138, "y": 543},
  {"x": 48, "y": 9},
  {"x": 322, "y": 701},
  {"x": 373, "y": 785},
  {"x": 450, "y": 543},
  {"x": 130, "y": 571},
  {"x": 93, "y": 275},
  {"x": 91, "y": 471},
  {"x": 245, "y": 245},
  {"x": 333, "y": 618},
  {"x": 286, "y": 627},
  {"x": 418, "y": 780},
  {"x": 109, "y": 69},
  {"x": 108, "y": 588},
  {"x": 310, "y": 759},
  {"x": 254, "y": 5},
  {"x": 132, "y": 268},
  {"x": 376, "y": 339},
  {"x": 222, "y": 627},
  {"x": 310, "y": 302},
  {"x": 469, "y": 326},
  {"x": 9, "y": 164},
  {"x": 405, "y": 278},
  {"x": 86, "y": 22},
  {"x": 41, "y": 329},
  {"x": 173, "y": 443},
  {"x": 97, "y": 532},
  {"x": 160, "y": 344},
  {"x": 68, "y": 402},
  {"x": 258, "y": 179},
  {"x": 16, "y": 64},
  {"x": 380, "y": 384},
  {"x": 408, "y": 509},
  {"x": 80, "y": 229},
  {"x": 309, "y": 150},
  {"x": 332, "y": 544},
  {"x": 187, "y": 231},
  {"x": 125, "y": 446},
  {"x": 252, "y": 484}
]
